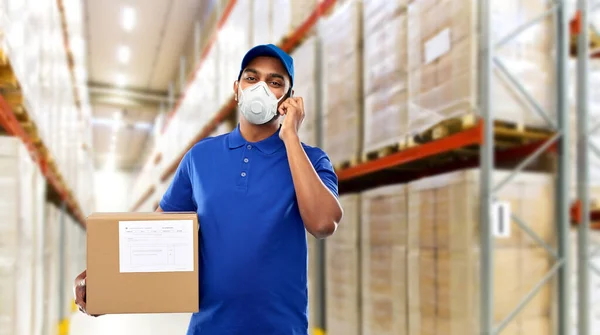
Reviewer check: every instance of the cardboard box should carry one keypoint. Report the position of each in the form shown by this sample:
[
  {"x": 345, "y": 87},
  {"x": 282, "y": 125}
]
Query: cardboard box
[
  {"x": 444, "y": 255},
  {"x": 142, "y": 263},
  {"x": 342, "y": 273},
  {"x": 443, "y": 61},
  {"x": 342, "y": 96}
]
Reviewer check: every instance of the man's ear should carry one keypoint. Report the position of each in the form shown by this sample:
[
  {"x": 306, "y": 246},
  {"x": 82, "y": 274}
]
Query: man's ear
[{"x": 235, "y": 89}]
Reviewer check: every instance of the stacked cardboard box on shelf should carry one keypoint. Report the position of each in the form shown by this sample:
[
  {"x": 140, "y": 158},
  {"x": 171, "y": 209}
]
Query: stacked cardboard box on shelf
[
  {"x": 443, "y": 61},
  {"x": 234, "y": 40},
  {"x": 21, "y": 203},
  {"x": 51, "y": 296},
  {"x": 288, "y": 15},
  {"x": 593, "y": 120},
  {"x": 383, "y": 261},
  {"x": 313, "y": 277},
  {"x": 343, "y": 272},
  {"x": 38, "y": 219},
  {"x": 594, "y": 244},
  {"x": 262, "y": 27},
  {"x": 33, "y": 43},
  {"x": 444, "y": 253},
  {"x": 305, "y": 86},
  {"x": 385, "y": 73},
  {"x": 199, "y": 105},
  {"x": 341, "y": 36}
]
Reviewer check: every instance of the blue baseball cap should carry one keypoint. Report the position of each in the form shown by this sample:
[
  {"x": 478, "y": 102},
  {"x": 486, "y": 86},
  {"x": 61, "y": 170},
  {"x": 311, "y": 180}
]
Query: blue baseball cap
[{"x": 269, "y": 50}]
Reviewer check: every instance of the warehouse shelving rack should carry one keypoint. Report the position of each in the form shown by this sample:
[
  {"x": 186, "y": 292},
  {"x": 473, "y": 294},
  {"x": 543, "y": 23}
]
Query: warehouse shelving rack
[
  {"x": 20, "y": 125},
  {"x": 560, "y": 270},
  {"x": 70, "y": 57},
  {"x": 385, "y": 170},
  {"x": 483, "y": 135},
  {"x": 579, "y": 30},
  {"x": 26, "y": 131},
  {"x": 411, "y": 161}
]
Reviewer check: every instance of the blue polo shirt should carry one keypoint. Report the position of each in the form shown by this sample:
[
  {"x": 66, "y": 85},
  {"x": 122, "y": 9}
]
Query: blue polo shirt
[{"x": 253, "y": 250}]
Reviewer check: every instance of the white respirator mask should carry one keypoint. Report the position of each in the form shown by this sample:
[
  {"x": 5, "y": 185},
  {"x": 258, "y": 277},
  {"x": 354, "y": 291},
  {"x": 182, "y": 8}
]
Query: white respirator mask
[{"x": 258, "y": 104}]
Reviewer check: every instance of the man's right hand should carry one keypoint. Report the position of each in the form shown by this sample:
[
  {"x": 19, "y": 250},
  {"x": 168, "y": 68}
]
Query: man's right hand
[{"x": 79, "y": 291}]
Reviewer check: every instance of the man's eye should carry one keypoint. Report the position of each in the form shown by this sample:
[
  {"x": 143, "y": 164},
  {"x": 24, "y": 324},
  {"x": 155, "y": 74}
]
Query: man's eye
[
  {"x": 250, "y": 78},
  {"x": 275, "y": 83}
]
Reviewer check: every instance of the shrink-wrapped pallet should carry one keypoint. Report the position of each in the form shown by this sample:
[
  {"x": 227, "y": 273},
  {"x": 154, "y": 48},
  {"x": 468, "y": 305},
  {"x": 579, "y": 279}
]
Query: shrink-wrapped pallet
[
  {"x": 443, "y": 61},
  {"x": 19, "y": 206},
  {"x": 383, "y": 261},
  {"x": 594, "y": 288},
  {"x": 343, "y": 315},
  {"x": 201, "y": 101},
  {"x": 39, "y": 221},
  {"x": 262, "y": 26},
  {"x": 444, "y": 253},
  {"x": 593, "y": 119},
  {"x": 288, "y": 15},
  {"x": 342, "y": 82},
  {"x": 385, "y": 73},
  {"x": 233, "y": 43},
  {"x": 52, "y": 263},
  {"x": 305, "y": 86},
  {"x": 314, "y": 299}
]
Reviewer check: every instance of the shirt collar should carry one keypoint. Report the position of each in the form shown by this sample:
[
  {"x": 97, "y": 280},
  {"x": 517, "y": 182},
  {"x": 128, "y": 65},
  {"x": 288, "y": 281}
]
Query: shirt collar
[{"x": 268, "y": 146}]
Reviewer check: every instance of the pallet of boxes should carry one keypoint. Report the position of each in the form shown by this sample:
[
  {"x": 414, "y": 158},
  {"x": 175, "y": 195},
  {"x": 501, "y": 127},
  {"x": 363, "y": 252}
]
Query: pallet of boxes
[{"x": 417, "y": 271}]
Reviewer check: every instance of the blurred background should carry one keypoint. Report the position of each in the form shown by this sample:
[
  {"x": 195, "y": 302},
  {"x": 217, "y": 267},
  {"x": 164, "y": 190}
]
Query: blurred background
[{"x": 463, "y": 132}]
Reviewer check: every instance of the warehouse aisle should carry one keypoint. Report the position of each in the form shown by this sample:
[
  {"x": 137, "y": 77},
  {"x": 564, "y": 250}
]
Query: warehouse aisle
[{"x": 100, "y": 100}]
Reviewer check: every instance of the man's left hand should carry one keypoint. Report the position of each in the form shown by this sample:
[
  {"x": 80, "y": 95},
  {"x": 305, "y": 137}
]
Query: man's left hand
[{"x": 293, "y": 109}]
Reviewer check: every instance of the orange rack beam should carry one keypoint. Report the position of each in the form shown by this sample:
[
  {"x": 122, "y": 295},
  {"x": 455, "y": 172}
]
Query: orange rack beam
[
  {"x": 10, "y": 123},
  {"x": 575, "y": 29},
  {"x": 145, "y": 196},
  {"x": 576, "y": 215},
  {"x": 68, "y": 51},
  {"x": 420, "y": 161}
]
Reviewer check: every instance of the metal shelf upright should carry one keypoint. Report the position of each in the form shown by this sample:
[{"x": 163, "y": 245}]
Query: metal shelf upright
[
  {"x": 489, "y": 60},
  {"x": 584, "y": 146}
]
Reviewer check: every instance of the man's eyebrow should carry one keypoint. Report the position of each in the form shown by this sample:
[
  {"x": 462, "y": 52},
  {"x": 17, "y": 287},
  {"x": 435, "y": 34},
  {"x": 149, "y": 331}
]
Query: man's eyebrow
[
  {"x": 277, "y": 75},
  {"x": 273, "y": 75},
  {"x": 251, "y": 70}
]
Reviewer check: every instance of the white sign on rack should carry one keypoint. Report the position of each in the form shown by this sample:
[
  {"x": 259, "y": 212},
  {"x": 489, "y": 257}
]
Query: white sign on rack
[
  {"x": 437, "y": 46},
  {"x": 501, "y": 219}
]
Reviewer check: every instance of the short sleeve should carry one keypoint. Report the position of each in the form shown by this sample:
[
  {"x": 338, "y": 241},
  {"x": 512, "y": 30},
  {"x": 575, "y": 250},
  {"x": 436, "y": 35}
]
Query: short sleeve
[
  {"x": 179, "y": 196},
  {"x": 325, "y": 170}
]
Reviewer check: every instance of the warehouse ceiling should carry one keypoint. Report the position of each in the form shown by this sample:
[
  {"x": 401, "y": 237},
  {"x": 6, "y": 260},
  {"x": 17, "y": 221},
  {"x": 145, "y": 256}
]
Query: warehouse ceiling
[{"x": 133, "y": 48}]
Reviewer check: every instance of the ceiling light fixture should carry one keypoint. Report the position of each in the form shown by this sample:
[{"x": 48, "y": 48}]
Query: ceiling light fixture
[
  {"x": 128, "y": 18},
  {"x": 120, "y": 80},
  {"x": 110, "y": 163},
  {"x": 123, "y": 54}
]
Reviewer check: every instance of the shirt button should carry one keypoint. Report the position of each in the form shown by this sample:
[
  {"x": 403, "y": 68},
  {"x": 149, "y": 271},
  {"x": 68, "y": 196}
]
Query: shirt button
[
  {"x": 243, "y": 174},
  {"x": 249, "y": 147},
  {"x": 245, "y": 160}
]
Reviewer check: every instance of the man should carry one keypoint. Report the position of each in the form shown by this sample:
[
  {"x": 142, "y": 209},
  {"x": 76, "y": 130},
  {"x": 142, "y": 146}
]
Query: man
[{"x": 256, "y": 190}]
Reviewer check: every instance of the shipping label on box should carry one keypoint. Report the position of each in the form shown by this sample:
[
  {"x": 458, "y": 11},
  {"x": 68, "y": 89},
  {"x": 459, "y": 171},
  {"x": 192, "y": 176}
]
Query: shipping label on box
[{"x": 142, "y": 263}]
